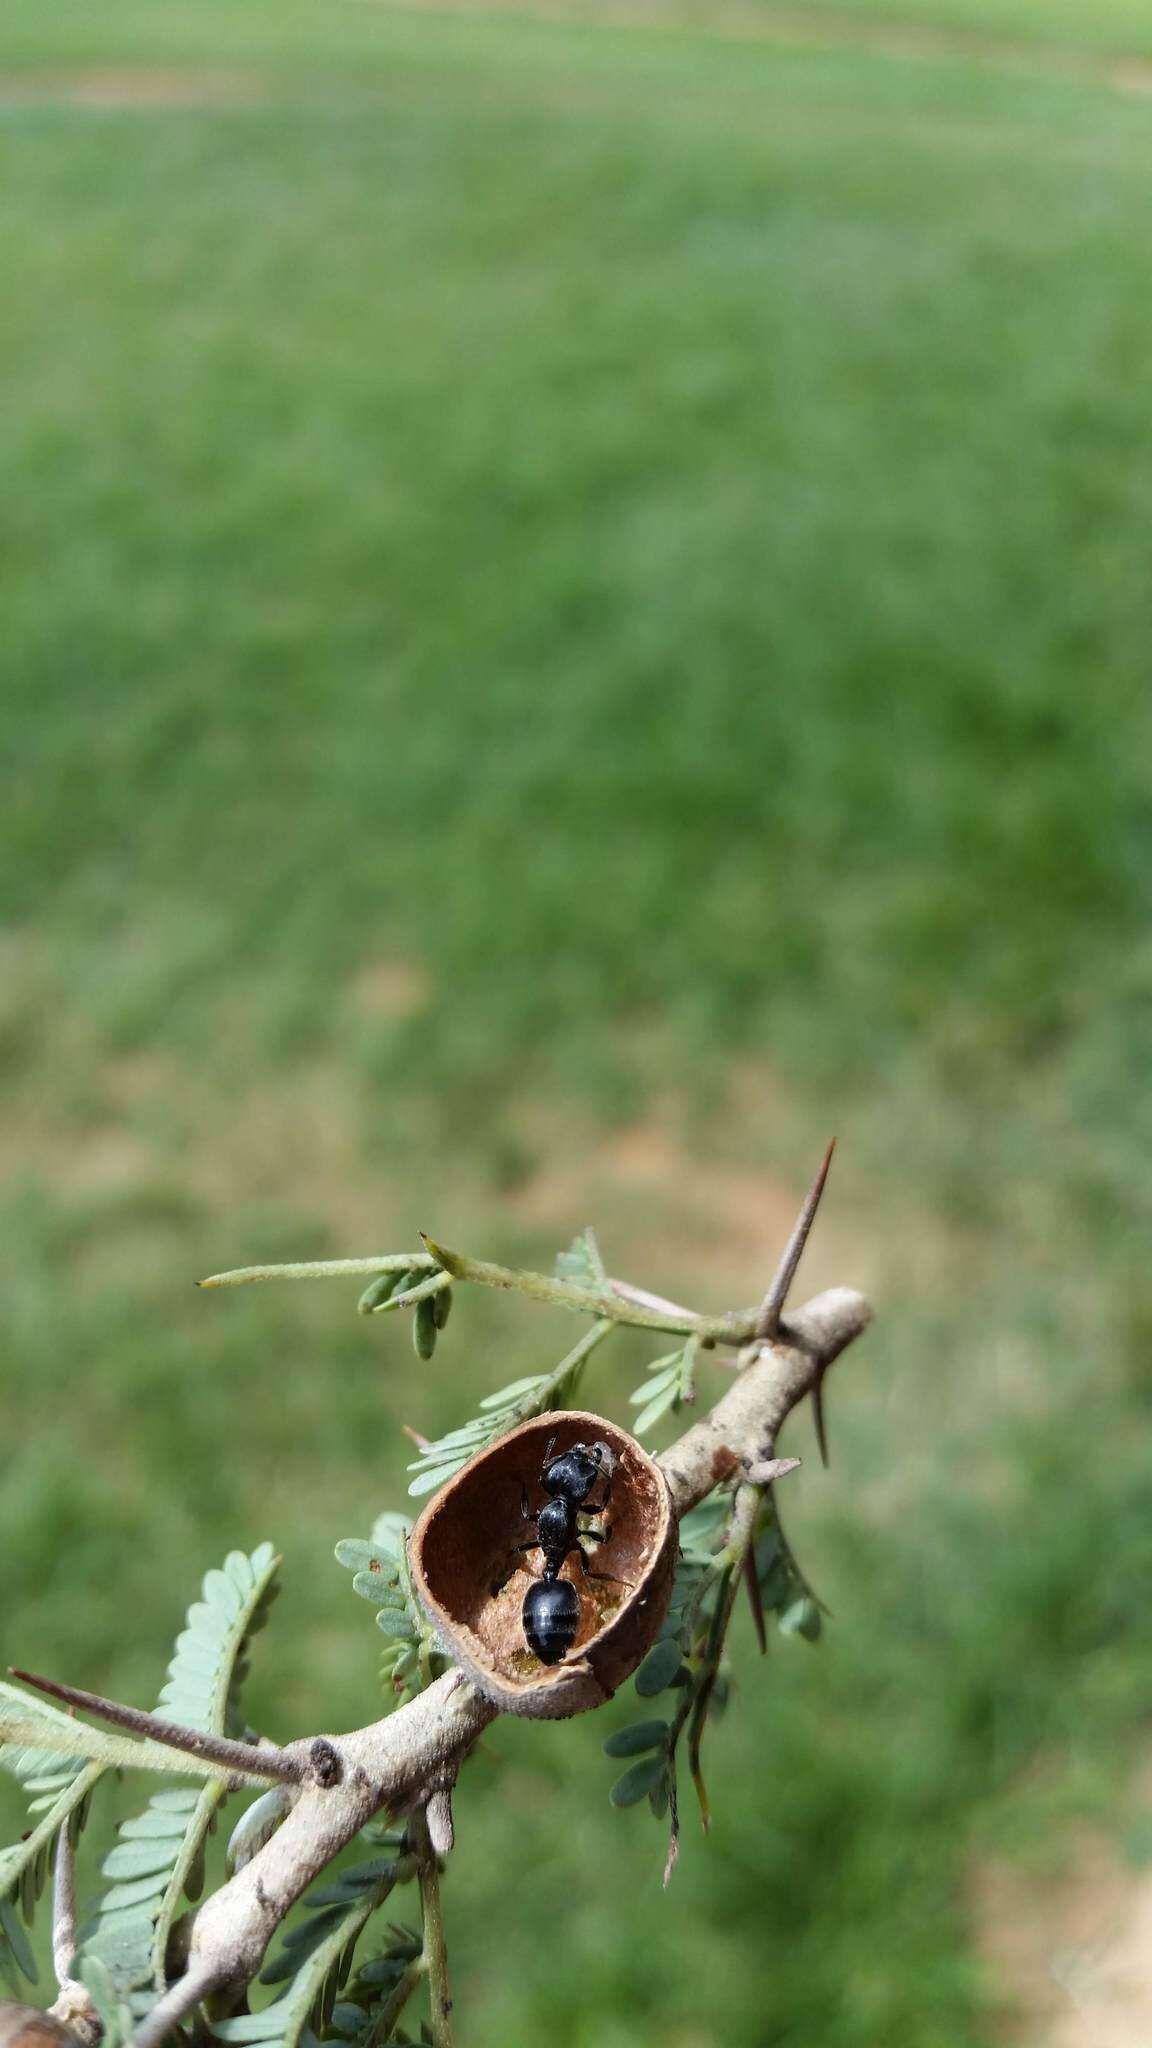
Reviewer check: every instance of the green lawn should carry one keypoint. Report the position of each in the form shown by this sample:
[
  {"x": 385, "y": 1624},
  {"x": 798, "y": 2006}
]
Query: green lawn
[{"x": 559, "y": 581}]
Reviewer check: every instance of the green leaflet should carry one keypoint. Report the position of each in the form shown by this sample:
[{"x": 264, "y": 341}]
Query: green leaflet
[
  {"x": 158, "y": 1857},
  {"x": 424, "y": 1328},
  {"x": 659, "y": 1668},
  {"x": 671, "y": 1381},
  {"x": 16, "y": 1940},
  {"x": 396, "y": 1263},
  {"x": 582, "y": 1261},
  {"x": 637, "y": 1782},
  {"x": 114, "y": 2011},
  {"x": 266, "y": 2025},
  {"x": 633, "y": 1741}
]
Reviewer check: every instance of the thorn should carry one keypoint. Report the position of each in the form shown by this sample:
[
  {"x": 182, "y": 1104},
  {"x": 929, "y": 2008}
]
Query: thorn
[
  {"x": 820, "y": 1419},
  {"x": 768, "y": 1321},
  {"x": 695, "y": 1740},
  {"x": 643, "y": 1298},
  {"x": 421, "y": 1442},
  {"x": 701, "y": 1796},
  {"x": 673, "y": 1823},
  {"x": 755, "y": 1601},
  {"x": 264, "y": 1762},
  {"x": 449, "y": 1260}
]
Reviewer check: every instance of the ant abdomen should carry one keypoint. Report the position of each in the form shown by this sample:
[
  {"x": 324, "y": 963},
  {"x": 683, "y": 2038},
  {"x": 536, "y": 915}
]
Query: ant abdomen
[{"x": 551, "y": 1617}]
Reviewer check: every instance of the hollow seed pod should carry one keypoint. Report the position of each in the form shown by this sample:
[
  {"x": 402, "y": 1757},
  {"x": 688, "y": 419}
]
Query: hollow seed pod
[{"x": 472, "y": 1573}]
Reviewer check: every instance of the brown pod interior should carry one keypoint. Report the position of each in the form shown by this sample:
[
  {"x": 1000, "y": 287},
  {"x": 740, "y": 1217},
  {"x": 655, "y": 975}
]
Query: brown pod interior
[{"x": 472, "y": 1577}]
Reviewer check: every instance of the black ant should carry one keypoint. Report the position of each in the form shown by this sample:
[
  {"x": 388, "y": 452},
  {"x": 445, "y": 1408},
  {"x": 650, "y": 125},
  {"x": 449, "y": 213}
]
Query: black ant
[{"x": 551, "y": 1611}]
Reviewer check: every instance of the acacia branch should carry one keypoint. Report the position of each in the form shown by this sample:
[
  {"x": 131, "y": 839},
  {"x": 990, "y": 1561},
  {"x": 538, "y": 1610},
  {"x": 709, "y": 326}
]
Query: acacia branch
[
  {"x": 396, "y": 1762},
  {"x": 409, "y": 1758}
]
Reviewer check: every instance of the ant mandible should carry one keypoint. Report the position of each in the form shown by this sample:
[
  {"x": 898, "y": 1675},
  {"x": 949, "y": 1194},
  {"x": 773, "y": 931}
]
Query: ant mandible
[{"x": 551, "y": 1611}]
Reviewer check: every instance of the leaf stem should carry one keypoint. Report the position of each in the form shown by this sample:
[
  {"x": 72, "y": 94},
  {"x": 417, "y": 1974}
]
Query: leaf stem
[
  {"x": 435, "y": 1946},
  {"x": 381, "y": 2029},
  {"x": 741, "y": 1531},
  {"x": 432, "y": 1284},
  {"x": 323, "y": 1269},
  {"x": 604, "y": 1301}
]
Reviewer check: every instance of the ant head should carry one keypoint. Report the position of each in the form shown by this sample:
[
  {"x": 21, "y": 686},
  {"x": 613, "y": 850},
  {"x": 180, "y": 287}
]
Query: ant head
[
  {"x": 604, "y": 1455},
  {"x": 575, "y": 1472}
]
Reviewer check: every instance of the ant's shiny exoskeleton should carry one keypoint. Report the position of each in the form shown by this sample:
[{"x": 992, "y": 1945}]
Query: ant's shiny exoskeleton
[{"x": 551, "y": 1611}]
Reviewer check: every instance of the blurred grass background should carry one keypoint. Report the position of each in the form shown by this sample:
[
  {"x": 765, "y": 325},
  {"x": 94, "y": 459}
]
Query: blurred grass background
[{"x": 576, "y": 610}]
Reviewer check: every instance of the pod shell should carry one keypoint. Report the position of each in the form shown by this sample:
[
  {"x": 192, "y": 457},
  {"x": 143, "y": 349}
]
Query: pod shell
[{"x": 472, "y": 1583}]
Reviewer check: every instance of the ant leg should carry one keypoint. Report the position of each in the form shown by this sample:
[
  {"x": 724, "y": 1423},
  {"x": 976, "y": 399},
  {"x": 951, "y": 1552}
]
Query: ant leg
[
  {"x": 609, "y": 1578},
  {"x": 596, "y": 1535},
  {"x": 498, "y": 1585}
]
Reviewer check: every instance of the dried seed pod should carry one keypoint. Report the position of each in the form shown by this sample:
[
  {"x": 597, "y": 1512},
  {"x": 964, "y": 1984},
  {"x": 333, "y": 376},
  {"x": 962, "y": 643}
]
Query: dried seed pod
[
  {"x": 472, "y": 1577},
  {"x": 25, "y": 2026}
]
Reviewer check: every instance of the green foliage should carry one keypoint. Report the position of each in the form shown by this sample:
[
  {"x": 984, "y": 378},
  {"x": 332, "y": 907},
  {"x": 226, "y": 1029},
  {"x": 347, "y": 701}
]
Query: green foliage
[
  {"x": 16, "y": 1958},
  {"x": 367, "y": 2012},
  {"x": 158, "y": 1860},
  {"x": 315, "y": 1958},
  {"x": 115, "y": 2012},
  {"x": 582, "y": 1262},
  {"x": 671, "y": 1381},
  {"x": 633, "y": 1741},
  {"x": 425, "y": 1324},
  {"x": 411, "y": 1658},
  {"x": 659, "y": 1669},
  {"x": 636, "y": 1783},
  {"x": 60, "y": 1788},
  {"x": 690, "y": 1648}
]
